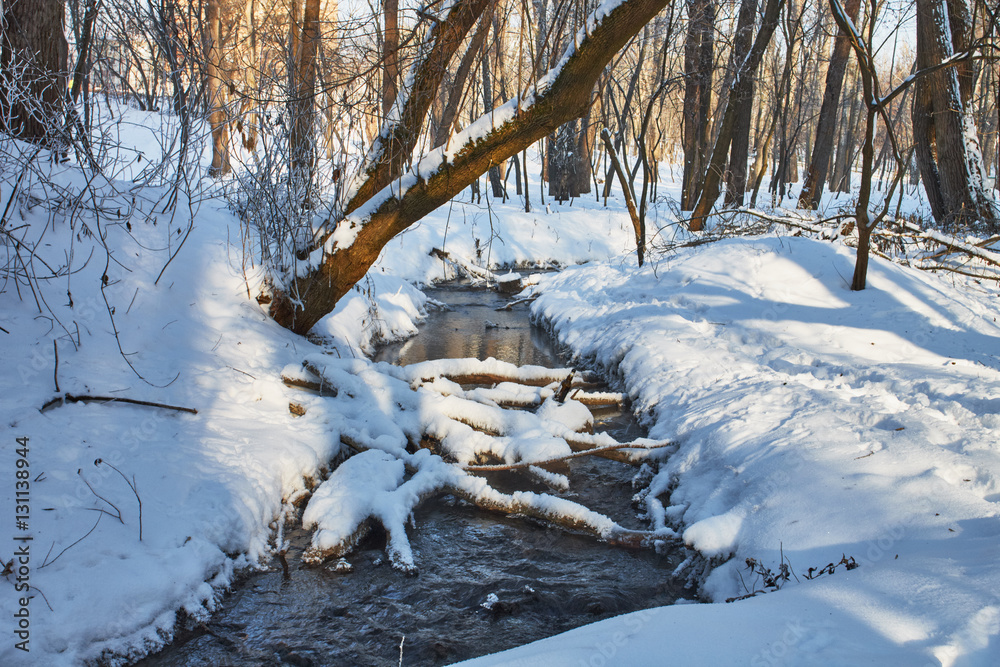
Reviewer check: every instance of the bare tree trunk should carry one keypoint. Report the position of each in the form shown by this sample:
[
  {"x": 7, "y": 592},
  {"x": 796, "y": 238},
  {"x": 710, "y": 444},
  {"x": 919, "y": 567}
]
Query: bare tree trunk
[
  {"x": 944, "y": 132},
  {"x": 390, "y": 54},
  {"x": 736, "y": 176},
  {"x": 246, "y": 118},
  {"x": 216, "y": 91},
  {"x": 83, "y": 49},
  {"x": 698, "y": 64},
  {"x": 461, "y": 77},
  {"x": 33, "y": 56},
  {"x": 840, "y": 177},
  {"x": 585, "y": 146},
  {"x": 490, "y": 100},
  {"x": 826, "y": 126},
  {"x": 302, "y": 144},
  {"x": 741, "y": 83}
]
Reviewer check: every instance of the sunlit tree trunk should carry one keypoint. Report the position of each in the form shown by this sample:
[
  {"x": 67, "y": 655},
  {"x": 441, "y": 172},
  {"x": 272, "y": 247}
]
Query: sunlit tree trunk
[
  {"x": 390, "y": 54},
  {"x": 216, "y": 91}
]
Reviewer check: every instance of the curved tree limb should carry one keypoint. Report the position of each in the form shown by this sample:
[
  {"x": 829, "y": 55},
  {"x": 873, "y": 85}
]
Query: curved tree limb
[{"x": 562, "y": 95}]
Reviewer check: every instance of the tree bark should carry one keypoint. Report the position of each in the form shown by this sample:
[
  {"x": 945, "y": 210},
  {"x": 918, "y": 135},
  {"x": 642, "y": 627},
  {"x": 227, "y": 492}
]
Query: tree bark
[
  {"x": 216, "y": 91},
  {"x": 390, "y": 54},
  {"x": 736, "y": 176},
  {"x": 947, "y": 146},
  {"x": 33, "y": 62},
  {"x": 741, "y": 83},
  {"x": 359, "y": 239},
  {"x": 698, "y": 64},
  {"x": 302, "y": 144},
  {"x": 826, "y": 125}
]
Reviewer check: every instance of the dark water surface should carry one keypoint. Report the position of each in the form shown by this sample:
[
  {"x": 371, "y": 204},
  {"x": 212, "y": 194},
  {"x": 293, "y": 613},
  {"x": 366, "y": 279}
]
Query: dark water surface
[{"x": 486, "y": 582}]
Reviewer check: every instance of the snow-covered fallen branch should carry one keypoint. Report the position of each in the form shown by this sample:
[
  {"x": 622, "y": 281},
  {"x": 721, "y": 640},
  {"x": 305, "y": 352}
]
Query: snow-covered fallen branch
[{"x": 417, "y": 437}]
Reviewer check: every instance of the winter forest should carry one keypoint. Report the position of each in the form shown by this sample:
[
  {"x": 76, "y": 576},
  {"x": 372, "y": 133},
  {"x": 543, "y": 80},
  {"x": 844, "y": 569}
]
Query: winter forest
[{"x": 535, "y": 332}]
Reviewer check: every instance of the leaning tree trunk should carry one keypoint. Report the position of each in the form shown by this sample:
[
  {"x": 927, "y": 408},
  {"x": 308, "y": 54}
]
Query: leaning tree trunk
[
  {"x": 354, "y": 242},
  {"x": 944, "y": 131},
  {"x": 33, "y": 63},
  {"x": 826, "y": 126}
]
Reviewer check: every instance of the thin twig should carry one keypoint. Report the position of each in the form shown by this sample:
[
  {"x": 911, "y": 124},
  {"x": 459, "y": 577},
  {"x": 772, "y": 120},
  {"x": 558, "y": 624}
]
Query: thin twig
[
  {"x": 131, "y": 484},
  {"x": 47, "y": 562},
  {"x": 119, "y": 516},
  {"x": 55, "y": 371}
]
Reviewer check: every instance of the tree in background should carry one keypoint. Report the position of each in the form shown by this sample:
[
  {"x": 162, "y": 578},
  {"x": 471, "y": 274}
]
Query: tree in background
[
  {"x": 826, "y": 125},
  {"x": 698, "y": 65}
]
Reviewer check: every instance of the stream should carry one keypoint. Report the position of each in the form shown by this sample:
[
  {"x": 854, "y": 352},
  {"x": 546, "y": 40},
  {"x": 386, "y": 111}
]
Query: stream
[{"x": 486, "y": 582}]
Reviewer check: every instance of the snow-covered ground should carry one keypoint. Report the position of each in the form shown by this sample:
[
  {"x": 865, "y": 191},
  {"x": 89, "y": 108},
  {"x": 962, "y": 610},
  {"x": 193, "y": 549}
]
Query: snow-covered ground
[{"x": 811, "y": 423}]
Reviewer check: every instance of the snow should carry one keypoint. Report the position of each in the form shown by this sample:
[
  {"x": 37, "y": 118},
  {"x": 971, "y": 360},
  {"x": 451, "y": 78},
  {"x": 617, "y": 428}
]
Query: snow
[{"x": 810, "y": 423}]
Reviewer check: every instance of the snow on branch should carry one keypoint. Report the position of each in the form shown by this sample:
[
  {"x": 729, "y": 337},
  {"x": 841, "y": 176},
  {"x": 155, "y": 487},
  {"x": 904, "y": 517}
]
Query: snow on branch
[
  {"x": 418, "y": 434},
  {"x": 557, "y": 97}
]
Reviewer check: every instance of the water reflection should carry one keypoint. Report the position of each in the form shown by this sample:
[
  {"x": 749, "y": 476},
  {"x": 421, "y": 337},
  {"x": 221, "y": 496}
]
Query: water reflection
[{"x": 474, "y": 328}]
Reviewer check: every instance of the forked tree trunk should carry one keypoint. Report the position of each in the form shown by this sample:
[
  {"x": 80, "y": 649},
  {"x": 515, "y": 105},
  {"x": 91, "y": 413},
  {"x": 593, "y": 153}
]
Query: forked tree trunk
[
  {"x": 637, "y": 224},
  {"x": 461, "y": 76},
  {"x": 397, "y": 138}
]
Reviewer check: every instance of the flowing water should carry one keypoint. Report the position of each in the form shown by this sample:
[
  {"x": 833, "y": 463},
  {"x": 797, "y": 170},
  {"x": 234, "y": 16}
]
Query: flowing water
[{"x": 486, "y": 582}]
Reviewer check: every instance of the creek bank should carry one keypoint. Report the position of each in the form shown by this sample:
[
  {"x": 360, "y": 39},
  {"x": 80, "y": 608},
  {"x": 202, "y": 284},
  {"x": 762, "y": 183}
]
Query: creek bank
[{"x": 485, "y": 583}]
